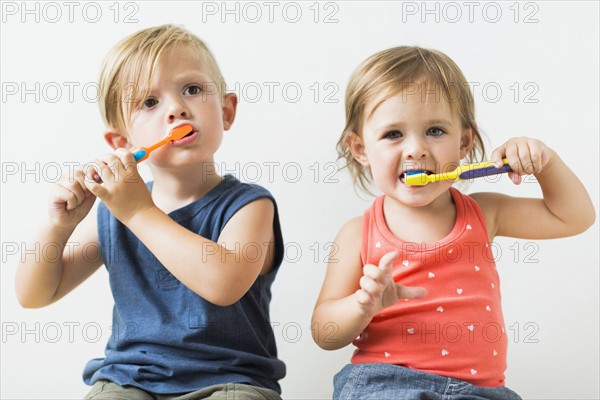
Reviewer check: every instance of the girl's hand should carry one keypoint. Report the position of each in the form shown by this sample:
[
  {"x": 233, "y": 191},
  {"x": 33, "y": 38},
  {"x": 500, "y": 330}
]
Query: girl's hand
[
  {"x": 378, "y": 289},
  {"x": 70, "y": 201},
  {"x": 122, "y": 188},
  {"x": 525, "y": 156}
]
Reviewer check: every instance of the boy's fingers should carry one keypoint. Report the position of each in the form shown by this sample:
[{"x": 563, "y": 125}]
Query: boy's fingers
[
  {"x": 63, "y": 195},
  {"x": 126, "y": 157},
  {"x": 409, "y": 292}
]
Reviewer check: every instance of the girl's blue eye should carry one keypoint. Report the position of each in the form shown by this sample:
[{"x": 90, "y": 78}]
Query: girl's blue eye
[
  {"x": 149, "y": 103},
  {"x": 192, "y": 90},
  {"x": 436, "y": 132},
  {"x": 395, "y": 134}
]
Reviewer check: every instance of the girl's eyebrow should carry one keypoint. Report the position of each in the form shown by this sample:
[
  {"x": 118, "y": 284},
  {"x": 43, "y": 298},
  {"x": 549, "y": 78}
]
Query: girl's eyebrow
[
  {"x": 397, "y": 123},
  {"x": 439, "y": 121}
]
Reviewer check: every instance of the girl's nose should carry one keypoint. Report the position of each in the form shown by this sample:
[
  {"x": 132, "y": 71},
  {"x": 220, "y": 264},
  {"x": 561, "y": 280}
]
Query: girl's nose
[{"x": 415, "y": 147}]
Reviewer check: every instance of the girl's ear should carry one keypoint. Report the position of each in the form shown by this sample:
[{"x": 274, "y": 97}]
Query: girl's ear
[
  {"x": 357, "y": 148},
  {"x": 116, "y": 140},
  {"x": 466, "y": 142},
  {"x": 229, "y": 109}
]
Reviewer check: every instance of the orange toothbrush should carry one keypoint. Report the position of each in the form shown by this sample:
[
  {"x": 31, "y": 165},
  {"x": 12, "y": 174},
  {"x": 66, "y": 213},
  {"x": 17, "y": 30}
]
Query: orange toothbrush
[{"x": 176, "y": 134}]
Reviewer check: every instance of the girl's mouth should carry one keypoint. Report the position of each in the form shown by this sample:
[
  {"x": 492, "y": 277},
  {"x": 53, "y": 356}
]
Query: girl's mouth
[{"x": 414, "y": 172}]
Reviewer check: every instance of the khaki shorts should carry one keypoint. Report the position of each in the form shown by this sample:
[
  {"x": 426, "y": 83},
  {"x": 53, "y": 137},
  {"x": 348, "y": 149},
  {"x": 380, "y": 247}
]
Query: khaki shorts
[{"x": 106, "y": 390}]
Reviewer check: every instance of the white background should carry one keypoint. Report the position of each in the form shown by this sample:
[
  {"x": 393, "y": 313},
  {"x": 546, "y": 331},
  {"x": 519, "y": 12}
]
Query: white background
[{"x": 534, "y": 71}]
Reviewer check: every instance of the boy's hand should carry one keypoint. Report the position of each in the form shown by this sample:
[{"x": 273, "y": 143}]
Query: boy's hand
[
  {"x": 122, "y": 188},
  {"x": 525, "y": 156},
  {"x": 378, "y": 289},
  {"x": 70, "y": 201}
]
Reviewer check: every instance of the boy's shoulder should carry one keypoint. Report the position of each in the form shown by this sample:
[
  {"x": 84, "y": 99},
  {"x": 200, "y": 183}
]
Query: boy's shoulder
[{"x": 234, "y": 188}]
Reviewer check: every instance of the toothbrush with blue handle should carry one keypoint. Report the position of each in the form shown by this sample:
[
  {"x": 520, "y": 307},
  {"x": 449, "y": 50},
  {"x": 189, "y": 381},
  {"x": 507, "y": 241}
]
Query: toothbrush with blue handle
[
  {"x": 463, "y": 172},
  {"x": 143, "y": 152},
  {"x": 175, "y": 134}
]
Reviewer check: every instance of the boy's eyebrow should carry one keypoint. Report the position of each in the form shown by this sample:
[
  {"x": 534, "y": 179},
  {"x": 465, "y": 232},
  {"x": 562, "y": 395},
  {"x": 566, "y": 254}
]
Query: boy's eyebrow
[{"x": 191, "y": 75}]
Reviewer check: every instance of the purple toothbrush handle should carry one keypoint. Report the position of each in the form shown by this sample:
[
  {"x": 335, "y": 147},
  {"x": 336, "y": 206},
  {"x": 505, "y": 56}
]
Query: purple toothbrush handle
[{"x": 477, "y": 173}]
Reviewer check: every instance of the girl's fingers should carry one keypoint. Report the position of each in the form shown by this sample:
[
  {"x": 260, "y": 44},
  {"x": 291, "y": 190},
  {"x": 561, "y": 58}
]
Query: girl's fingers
[
  {"x": 369, "y": 286},
  {"x": 386, "y": 262},
  {"x": 373, "y": 272},
  {"x": 363, "y": 297},
  {"x": 497, "y": 156},
  {"x": 515, "y": 178},
  {"x": 408, "y": 292}
]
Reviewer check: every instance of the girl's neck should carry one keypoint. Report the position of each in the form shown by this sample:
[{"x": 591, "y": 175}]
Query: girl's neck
[
  {"x": 175, "y": 188},
  {"x": 425, "y": 224}
]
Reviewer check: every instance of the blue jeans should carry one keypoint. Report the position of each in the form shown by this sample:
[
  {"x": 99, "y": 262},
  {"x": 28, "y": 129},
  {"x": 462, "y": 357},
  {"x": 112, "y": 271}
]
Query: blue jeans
[{"x": 388, "y": 381}]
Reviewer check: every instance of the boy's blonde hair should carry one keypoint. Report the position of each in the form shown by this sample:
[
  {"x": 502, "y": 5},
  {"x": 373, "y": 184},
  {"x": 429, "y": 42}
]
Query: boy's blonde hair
[
  {"x": 127, "y": 70},
  {"x": 394, "y": 71}
]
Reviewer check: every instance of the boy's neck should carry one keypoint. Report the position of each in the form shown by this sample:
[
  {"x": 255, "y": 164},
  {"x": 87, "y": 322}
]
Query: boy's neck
[{"x": 174, "y": 189}]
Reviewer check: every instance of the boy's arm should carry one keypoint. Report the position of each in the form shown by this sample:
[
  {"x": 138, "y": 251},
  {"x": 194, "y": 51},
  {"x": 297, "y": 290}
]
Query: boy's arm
[
  {"x": 45, "y": 277},
  {"x": 219, "y": 272},
  {"x": 565, "y": 209}
]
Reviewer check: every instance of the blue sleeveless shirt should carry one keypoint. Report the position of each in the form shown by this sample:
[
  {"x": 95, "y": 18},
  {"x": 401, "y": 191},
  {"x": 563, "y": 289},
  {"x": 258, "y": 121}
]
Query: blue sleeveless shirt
[{"x": 167, "y": 339}]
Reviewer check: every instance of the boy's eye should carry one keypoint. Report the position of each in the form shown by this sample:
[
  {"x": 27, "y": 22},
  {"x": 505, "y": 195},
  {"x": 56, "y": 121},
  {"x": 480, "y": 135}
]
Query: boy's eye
[
  {"x": 392, "y": 135},
  {"x": 149, "y": 103},
  {"x": 192, "y": 90},
  {"x": 436, "y": 132}
]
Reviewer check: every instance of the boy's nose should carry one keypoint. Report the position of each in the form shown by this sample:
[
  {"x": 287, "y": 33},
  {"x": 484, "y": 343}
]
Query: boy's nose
[{"x": 178, "y": 110}]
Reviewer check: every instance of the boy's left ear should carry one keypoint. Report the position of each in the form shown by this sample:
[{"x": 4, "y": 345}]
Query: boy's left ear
[
  {"x": 229, "y": 109},
  {"x": 466, "y": 142},
  {"x": 116, "y": 140}
]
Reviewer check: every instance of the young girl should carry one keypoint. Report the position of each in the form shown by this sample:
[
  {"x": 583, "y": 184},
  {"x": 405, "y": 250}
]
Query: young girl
[
  {"x": 191, "y": 256},
  {"x": 414, "y": 284}
]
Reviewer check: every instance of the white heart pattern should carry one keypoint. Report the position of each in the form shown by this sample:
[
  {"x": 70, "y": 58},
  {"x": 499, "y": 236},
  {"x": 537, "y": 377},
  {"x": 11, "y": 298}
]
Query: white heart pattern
[
  {"x": 431, "y": 275},
  {"x": 477, "y": 268},
  {"x": 470, "y": 327},
  {"x": 495, "y": 353},
  {"x": 386, "y": 354},
  {"x": 473, "y": 371},
  {"x": 445, "y": 352},
  {"x": 450, "y": 251},
  {"x": 488, "y": 308},
  {"x": 405, "y": 263},
  {"x": 378, "y": 245},
  {"x": 411, "y": 331},
  {"x": 469, "y": 227},
  {"x": 459, "y": 291},
  {"x": 440, "y": 309}
]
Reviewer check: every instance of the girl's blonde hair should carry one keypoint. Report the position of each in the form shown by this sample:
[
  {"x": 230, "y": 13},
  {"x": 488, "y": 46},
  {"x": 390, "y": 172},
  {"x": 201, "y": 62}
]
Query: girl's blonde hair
[
  {"x": 391, "y": 72},
  {"x": 127, "y": 70}
]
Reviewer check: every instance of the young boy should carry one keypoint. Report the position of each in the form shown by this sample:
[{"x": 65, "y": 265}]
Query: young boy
[{"x": 191, "y": 256}]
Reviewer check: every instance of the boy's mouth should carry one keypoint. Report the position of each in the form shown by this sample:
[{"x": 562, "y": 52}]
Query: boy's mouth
[{"x": 190, "y": 137}]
